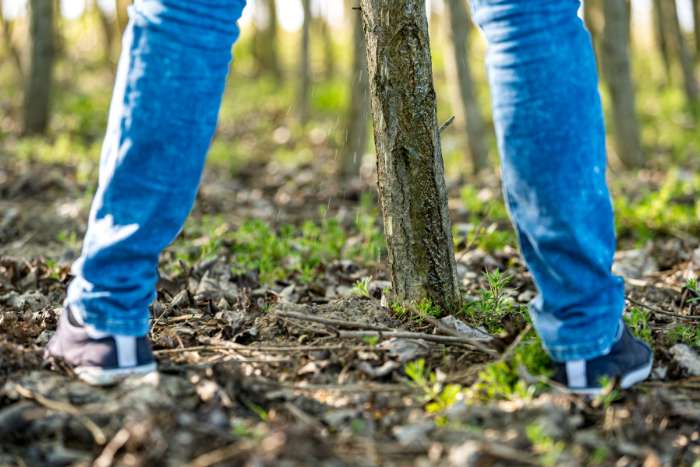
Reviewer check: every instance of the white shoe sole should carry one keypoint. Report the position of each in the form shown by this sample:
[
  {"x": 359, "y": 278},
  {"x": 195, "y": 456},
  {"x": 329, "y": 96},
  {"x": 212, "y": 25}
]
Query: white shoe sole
[
  {"x": 627, "y": 381},
  {"x": 96, "y": 376}
]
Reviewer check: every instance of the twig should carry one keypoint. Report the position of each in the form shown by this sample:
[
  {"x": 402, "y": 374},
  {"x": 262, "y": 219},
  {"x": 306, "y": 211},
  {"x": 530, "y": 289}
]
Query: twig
[
  {"x": 268, "y": 348},
  {"x": 106, "y": 458},
  {"x": 511, "y": 348},
  {"x": 363, "y": 330},
  {"x": 447, "y": 123},
  {"x": 420, "y": 335},
  {"x": 303, "y": 417},
  {"x": 364, "y": 387},
  {"x": 64, "y": 407},
  {"x": 336, "y": 323},
  {"x": 662, "y": 312},
  {"x": 221, "y": 454}
]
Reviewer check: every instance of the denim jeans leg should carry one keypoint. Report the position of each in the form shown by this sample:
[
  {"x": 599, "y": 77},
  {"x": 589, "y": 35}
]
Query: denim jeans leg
[
  {"x": 551, "y": 135},
  {"x": 170, "y": 80}
]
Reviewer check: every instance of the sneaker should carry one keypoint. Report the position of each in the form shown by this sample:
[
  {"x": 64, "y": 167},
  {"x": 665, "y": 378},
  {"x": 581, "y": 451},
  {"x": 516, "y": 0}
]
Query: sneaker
[
  {"x": 629, "y": 361},
  {"x": 97, "y": 358}
]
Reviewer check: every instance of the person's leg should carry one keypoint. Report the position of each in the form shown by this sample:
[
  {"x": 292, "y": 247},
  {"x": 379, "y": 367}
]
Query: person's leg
[
  {"x": 551, "y": 135},
  {"x": 166, "y": 99}
]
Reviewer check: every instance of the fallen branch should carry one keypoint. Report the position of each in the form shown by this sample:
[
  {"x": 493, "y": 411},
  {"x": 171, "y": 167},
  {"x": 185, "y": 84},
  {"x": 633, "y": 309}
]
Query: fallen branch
[
  {"x": 261, "y": 348},
  {"x": 366, "y": 330},
  {"x": 420, "y": 335},
  {"x": 511, "y": 348},
  {"x": 653, "y": 309},
  {"x": 447, "y": 124},
  {"x": 336, "y": 323},
  {"x": 64, "y": 407},
  {"x": 222, "y": 454}
]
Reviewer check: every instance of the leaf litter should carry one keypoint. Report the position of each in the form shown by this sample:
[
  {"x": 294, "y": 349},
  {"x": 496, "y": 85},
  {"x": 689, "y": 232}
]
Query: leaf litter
[{"x": 315, "y": 368}]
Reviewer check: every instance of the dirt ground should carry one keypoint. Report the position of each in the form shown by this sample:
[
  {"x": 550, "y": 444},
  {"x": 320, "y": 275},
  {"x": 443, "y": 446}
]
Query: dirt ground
[{"x": 306, "y": 374}]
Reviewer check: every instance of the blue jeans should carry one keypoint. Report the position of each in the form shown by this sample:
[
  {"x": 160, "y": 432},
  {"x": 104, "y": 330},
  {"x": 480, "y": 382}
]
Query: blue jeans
[{"x": 550, "y": 130}]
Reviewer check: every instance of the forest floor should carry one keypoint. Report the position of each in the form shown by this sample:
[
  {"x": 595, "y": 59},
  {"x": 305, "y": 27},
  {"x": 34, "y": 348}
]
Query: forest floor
[{"x": 273, "y": 337}]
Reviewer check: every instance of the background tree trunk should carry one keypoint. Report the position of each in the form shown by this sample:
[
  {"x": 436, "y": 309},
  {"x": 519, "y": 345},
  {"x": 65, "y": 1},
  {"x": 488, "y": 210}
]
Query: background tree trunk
[
  {"x": 696, "y": 27},
  {"x": 358, "y": 107},
  {"x": 618, "y": 76},
  {"x": 38, "y": 87},
  {"x": 265, "y": 39},
  {"x": 468, "y": 107},
  {"x": 10, "y": 48},
  {"x": 108, "y": 28},
  {"x": 122, "y": 14},
  {"x": 324, "y": 31},
  {"x": 409, "y": 159},
  {"x": 593, "y": 16},
  {"x": 662, "y": 39},
  {"x": 690, "y": 85},
  {"x": 303, "y": 95}
]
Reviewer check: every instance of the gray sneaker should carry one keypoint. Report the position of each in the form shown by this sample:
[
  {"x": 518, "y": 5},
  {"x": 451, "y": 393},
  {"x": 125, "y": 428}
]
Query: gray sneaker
[
  {"x": 629, "y": 361},
  {"x": 99, "y": 360}
]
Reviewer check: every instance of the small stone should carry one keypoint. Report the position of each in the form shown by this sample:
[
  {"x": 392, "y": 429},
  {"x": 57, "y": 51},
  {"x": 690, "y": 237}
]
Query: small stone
[
  {"x": 464, "y": 329},
  {"x": 181, "y": 299},
  {"x": 527, "y": 296},
  {"x": 635, "y": 264},
  {"x": 377, "y": 288},
  {"x": 408, "y": 435},
  {"x": 687, "y": 358},
  {"x": 469, "y": 453}
]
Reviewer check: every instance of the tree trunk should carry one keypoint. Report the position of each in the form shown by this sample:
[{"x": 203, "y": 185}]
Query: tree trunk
[
  {"x": 358, "y": 107},
  {"x": 618, "y": 76},
  {"x": 662, "y": 39},
  {"x": 696, "y": 27},
  {"x": 122, "y": 14},
  {"x": 409, "y": 159},
  {"x": 593, "y": 17},
  {"x": 38, "y": 87},
  {"x": 304, "y": 66},
  {"x": 10, "y": 48},
  {"x": 690, "y": 84},
  {"x": 468, "y": 106},
  {"x": 326, "y": 35},
  {"x": 272, "y": 29},
  {"x": 108, "y": 27},
  {"x": 265, "y": 39}
]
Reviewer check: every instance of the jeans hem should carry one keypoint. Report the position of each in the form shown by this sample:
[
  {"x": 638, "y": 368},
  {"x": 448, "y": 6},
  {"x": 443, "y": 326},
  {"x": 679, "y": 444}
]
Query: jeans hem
[
  {"x": 132, "y": 327},
  {"x": 587, "y": 351}
]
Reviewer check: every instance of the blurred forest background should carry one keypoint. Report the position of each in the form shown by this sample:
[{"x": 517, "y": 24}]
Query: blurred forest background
[{"x": 295, "y": 73}]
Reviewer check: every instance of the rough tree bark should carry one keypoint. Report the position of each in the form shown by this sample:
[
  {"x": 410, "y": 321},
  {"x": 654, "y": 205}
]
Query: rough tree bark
[
  {"x": 10, "y": 48},
  {"x": 37, "y": 93},
  {"x": 618, "y": 77},
  {"x": 468, "y": 107},
  {"x": 409, "y": 159},
  {"x": 680, "y": 48},
  {"x": 304, "y": 92},
  {"x": 358, "y": 107}
]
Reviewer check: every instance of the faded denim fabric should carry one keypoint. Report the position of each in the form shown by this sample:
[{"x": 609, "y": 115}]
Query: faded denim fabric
[
  {"x": 551, "y": 135},
  {"x": 169, "y": 84},
  {"x": 550, "y": 129}
]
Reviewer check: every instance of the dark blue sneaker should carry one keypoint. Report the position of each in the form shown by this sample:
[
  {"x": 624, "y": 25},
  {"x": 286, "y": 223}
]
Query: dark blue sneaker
[
  {"x": 629, "y": 361},
  {"x": 96, "y": 358}
]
